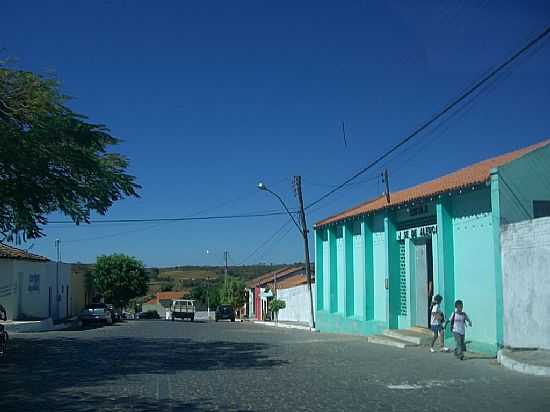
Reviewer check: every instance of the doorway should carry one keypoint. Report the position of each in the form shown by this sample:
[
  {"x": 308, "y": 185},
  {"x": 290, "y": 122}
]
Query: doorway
[{"x": 423, "y": 280}]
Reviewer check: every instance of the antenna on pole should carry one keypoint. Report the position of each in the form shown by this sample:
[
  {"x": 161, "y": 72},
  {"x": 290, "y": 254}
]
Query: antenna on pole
[{"x": 344, "y": 134}]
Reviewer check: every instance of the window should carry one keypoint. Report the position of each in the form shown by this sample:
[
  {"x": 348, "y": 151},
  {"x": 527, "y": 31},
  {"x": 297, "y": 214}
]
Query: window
[
  {"x": 541, "y": 208},
  {"x": 34, "y": 282}
]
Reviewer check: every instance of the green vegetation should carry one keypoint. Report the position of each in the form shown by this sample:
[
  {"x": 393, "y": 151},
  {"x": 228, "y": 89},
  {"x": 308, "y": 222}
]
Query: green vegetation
[
  {"x": 119, "y": 278},
  {"x": 275, "y": 305},
  {"x": 232, "y": 292},
  {"x": 203, "y": 283},
  {"x": 52, "y": 159}
]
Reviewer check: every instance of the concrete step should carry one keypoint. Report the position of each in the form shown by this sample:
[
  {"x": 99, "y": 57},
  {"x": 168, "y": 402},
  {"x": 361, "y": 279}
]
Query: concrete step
[
  {"x": 389, "y": 341},
  {"x": 417, "y": 336}
]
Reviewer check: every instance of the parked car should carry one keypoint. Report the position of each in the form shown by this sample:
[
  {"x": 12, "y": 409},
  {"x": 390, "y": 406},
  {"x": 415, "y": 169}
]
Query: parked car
[
  {"x": 225, "y": 312},
  {"x": 183, "y": 309},
  {"x": 96, "y": 313},
  {"x": 150, "y": 314}
]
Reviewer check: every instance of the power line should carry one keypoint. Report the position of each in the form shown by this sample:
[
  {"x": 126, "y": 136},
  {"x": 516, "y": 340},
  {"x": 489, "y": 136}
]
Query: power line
[
  {"x": 179, "y": 219},
  {"x": 437, "y": 116},
  {"x": 265, "y": 242}
]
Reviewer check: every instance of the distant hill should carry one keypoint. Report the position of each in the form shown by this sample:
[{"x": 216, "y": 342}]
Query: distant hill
[{"x": 185, "y": 277}]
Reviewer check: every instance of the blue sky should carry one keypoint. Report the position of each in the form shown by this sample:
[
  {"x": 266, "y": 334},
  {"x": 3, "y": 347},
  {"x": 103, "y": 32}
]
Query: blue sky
[{"x": 211, "y": 97}]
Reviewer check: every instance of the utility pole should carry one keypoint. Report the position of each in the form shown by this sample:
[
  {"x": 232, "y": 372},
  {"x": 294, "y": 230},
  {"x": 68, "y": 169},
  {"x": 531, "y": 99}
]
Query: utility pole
[
  {"x": 386, "y": 185},
  {"x": 208, "y": 298},
  {"x": 225, "y": 257},
  {"x": 298, "y": 184},
  {"x": 57, "y": 297}
]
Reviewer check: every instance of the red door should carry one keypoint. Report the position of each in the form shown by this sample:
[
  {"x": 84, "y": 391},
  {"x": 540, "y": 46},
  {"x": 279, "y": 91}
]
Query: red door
[{"x": 257, "y": 304}]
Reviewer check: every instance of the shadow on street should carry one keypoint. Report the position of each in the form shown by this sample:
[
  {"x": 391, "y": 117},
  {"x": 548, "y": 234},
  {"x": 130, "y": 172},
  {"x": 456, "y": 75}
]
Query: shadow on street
[{"x": 46, "y": 374}]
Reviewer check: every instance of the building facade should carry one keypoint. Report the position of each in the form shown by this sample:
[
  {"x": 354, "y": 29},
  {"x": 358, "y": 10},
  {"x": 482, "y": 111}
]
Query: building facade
[
  {"x": 288, "y": 284},
  {"x": 379, "y": 264},
  {"x": 32, "y": 287}
]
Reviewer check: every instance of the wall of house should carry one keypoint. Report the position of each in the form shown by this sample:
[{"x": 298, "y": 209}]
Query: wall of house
[
  {"x": 463, "y": 268},
  {"x": 526, "y": 284},
  {"x": 344, "y": 257},
  {"x": 77, "y": 292},
  {"x": 521, "y": 182},
  {"x": 8, "y": 288},
  {"x": 297, "y": 303},
  {"x": 474, "y": 269},
  {"x": 34, "y": 282}
]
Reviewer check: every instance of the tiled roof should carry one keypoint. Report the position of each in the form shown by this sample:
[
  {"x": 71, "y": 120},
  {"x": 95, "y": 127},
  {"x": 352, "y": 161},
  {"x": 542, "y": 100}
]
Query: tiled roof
[
  {"x": 166, "y": 296},
  {"x": 10, "y": 252},
  {"x": 294, "y": 281},
  {"x": 467, "y": 177},
  {"x": 284, "y": 275}
]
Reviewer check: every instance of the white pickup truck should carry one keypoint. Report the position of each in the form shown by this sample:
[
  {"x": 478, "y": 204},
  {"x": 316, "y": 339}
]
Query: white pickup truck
[{"x": 183, "y": 309}]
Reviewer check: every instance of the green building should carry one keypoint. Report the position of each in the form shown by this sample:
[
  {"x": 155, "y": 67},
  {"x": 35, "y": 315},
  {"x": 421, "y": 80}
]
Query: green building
[{"x": 379, "y": 263}]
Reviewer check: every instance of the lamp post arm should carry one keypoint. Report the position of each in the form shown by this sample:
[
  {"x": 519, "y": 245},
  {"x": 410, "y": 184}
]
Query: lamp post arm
[{"x": 288, "y": 211}]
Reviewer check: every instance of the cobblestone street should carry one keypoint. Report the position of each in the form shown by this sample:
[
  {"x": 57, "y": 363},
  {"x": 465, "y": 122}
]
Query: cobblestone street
[{"x": 159, "y": 365}]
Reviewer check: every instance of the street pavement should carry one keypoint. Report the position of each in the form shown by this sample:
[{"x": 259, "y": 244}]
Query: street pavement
[{"x": 206, "y": 366}]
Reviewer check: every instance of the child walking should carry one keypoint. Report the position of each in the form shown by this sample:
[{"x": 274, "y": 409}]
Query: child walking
[
  {"x": 437, "y": 321},
  {"x": 458, "y": 323}
]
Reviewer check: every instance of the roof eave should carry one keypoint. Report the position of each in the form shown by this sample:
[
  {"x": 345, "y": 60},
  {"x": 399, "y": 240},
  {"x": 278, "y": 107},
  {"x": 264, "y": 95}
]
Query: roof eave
[{"x": 328, "y": 222}]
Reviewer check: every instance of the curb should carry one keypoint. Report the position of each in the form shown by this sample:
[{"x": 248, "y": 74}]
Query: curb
[
  {"x": 284, "y": 325},
  {"x": 526, "y": 368},
  {"x": 37, "y": 326}
]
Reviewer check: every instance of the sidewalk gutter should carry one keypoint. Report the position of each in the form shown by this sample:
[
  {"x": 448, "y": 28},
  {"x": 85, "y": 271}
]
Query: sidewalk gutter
[
  {"x": 284, "y": 325},
  {"x": 517, "y": 361},
  {"x": 43, "y": 325}
]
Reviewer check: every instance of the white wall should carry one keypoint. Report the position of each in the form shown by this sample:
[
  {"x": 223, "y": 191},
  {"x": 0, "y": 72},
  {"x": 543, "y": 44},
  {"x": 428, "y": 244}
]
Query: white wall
[
  {"x": 8, "y": 287},
  {"x": 297, "y": 303},
  {"x": 31, "y": 282},
  {"x": 526, "y": 283}
]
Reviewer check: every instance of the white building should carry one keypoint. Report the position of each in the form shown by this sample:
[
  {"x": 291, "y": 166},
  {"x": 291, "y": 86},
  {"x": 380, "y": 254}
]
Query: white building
[{"x": 29, "y": 285}]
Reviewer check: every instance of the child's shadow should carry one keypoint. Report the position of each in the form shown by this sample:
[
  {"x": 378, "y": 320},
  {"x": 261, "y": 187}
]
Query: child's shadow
[{"x": 475, "y": 355}]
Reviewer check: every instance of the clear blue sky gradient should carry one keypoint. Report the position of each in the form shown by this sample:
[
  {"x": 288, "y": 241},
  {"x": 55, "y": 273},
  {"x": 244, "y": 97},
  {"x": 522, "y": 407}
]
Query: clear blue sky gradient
[{"x": 211, "y": 97}]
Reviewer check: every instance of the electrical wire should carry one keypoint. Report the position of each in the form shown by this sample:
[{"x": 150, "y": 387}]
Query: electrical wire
[
  {"x": 437, "y": 116},
  {"x": 179, "y": 219}
]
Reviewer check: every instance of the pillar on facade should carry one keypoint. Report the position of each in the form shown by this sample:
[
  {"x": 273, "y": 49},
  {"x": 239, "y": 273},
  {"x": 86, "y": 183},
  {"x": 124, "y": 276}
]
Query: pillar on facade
[
  {"x": 368, "y": 250},
  {"x": 348, "y": 270},
  {"x": 333, "y": 275},
  {"x": 393, "y": 295},
  {"x": 445, "y": 278},
  {"x": 495, "y": 212},
  {"x": 319, "y": 267}
]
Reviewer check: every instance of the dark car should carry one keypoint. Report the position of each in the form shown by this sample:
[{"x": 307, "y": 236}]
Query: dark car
[
  {"x": 150, "y": 314},
  {"x": 96, "y": 313},
  {"x": 225, "y": 312}
]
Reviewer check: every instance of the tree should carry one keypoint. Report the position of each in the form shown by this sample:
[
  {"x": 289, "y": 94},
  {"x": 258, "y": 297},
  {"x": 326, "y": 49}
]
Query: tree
[
  {"x": 207, "y": 294},
  {"x": 119, "y": 278},
  {"x": 232, "y": 292},
  {"x": 167, "y": 286},
  {"x": 275, "y": 305},
  {"x": 52, "y": 159}
]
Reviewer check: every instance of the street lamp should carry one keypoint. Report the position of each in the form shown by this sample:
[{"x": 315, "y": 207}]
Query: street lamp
[{"x": 303, "y": 231}]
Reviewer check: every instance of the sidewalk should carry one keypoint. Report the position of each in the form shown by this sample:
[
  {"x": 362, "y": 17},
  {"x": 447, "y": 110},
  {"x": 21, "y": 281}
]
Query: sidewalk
[
  {"x": 531, "y": 362},
  {"x": 43, "y": 325},
  {"x": 286, "y": 324}
]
